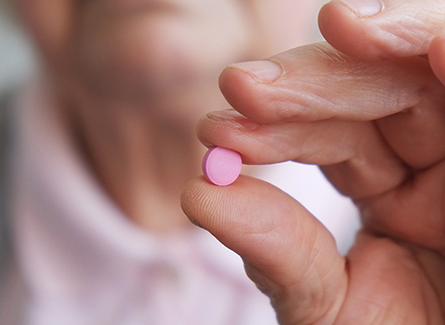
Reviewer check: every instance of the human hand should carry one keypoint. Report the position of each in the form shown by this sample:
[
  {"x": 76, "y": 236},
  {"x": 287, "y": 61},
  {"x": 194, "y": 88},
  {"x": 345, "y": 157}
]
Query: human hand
[{"x": 376, "y": 128}]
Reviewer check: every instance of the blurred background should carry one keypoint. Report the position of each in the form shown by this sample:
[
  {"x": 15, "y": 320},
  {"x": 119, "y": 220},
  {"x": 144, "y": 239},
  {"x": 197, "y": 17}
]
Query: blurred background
[
  {"x": 16, "y": 53},
  {"x": 18, "y": 61}
]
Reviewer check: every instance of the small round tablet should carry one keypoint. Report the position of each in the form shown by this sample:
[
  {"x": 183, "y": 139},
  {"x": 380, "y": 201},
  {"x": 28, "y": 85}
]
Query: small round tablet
[{"x": 221, "y": 166}]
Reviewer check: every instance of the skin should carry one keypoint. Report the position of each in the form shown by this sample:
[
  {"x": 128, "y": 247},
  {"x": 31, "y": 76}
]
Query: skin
[
  {"x": 369, "y": 110},
  {"x": 133, "y": 77},
  {"x": 100, "y": 57}
]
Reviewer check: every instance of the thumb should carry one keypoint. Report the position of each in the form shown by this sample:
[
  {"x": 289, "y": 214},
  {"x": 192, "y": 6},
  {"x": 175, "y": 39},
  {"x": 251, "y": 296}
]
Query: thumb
[
  {"x": 288, "y": 253},
  {"x": 372, "y": 29}
]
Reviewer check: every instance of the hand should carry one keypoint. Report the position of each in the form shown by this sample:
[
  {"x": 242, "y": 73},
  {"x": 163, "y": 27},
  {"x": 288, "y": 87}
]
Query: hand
[{"x": 376, "y": 128}]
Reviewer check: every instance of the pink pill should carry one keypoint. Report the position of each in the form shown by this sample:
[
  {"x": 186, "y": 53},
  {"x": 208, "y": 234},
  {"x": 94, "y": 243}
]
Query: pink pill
[{"x": 221, "y": 166}]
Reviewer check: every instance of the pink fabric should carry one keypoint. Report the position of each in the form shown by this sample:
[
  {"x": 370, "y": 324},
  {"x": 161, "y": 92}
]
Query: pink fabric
[{"x": 83, "y": 262}]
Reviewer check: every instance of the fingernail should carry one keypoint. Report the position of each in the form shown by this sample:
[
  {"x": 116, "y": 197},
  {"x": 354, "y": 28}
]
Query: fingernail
[
  {"x": 264, "y": 70},
  {"x": 232, "y": 116},
  {"x": 365, "y": 8}
]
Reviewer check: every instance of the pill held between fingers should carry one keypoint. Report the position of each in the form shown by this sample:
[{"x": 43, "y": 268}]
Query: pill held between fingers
[{"x": 221, "y": 166}]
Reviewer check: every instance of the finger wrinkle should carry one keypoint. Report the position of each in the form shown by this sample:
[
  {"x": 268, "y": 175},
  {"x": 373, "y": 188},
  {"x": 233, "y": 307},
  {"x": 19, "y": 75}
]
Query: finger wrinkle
[
  {"x": 234, "y": 119},
  {"x": 303, "y": 106},
  {"x": 410, "y": 33}
]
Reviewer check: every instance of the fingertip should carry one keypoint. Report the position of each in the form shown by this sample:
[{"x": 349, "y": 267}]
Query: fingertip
[
  {"x": 436, "y": 56},
  {"x": 232, "y": 79},
  {"x": 190, "y": 193},
  {"x": 386, "y": 34},
  {"x": 202, "y": 201},
  {"x": 234, "y": 83},
  {"x": 197, "y": 197},
  {"x": 347, "y": 32},
  {"x": 245, "y": 91}
]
